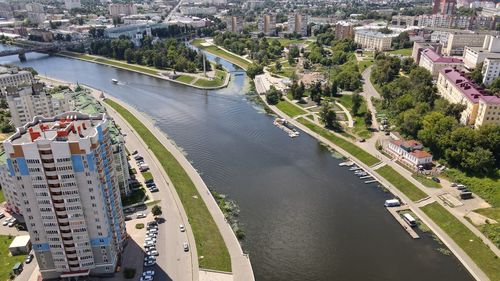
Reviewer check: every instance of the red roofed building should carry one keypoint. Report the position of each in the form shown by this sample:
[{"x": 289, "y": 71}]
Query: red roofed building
[
  {"x": 410, "y": 153},
  {"x": 435, "y": 62},
  {"x": 456, "y": 88}
]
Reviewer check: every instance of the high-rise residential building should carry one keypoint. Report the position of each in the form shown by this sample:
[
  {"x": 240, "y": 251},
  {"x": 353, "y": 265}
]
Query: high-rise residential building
[
  {"x": 122, "y": 9},
  {"x": 72, "y": 4},
  {"x": 234, "y": 24},
  {"x": 29, "y": 101},
  {"x": 63, "y": 174},
  {"x": 344, "y": 30},
  {"x": 490, "y": 70},
  {"x": 35, "y": 13},
  {"x": 34, "y": 8},
  {"x": 267, "y": 24},
  {"x": 476, "y": 55},
  {"x": 14, "y": 77},
  {"x": 444, "y": 7},
  {"x": 297, "y": 23}
]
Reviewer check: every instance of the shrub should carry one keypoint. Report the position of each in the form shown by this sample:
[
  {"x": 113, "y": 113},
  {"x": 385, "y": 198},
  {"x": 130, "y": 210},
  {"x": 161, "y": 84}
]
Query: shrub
[{"x": 139, "y": 226}]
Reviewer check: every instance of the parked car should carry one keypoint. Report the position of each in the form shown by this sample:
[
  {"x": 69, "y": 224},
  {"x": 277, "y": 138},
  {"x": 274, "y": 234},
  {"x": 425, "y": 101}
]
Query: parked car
[
  {"x": 154, "y": 190},
  {"x": 149, "y": 243},
  {"x": 149, "y": 258},
  {"x": 149, "y": 263},
  {"x": 453, "y": 184},
  {"x": 151, "y": 183},
  {"x": 148, "y": 273},
  {"x": 141, "y": 215},
  {"x": 138, "y": 157},
  {"x": 5, "y": 222},
  {"x": 185, "y": 247},
  {"x": 2, "y": 215},
  {"x": 152, "y": 253},
  {"x": 29, "y": 258},
  {"x": 182, "y": 228},
  {"x": 436, "y": 179},
  {"x": 147, "y": 277},
  {"x": 134, "y": 152},
  {"x": 149, "y": 180}
]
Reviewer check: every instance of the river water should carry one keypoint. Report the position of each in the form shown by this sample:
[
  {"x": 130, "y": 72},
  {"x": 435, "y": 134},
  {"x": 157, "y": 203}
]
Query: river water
[{"x": 305, "y": 217}]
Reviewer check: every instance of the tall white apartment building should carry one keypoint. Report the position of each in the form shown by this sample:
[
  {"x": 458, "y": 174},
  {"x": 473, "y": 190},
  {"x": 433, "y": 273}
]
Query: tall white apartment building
[
  {"x": 297, "y": 23},
  {"x": 234, "y": 24},
  {"x": 475, "y": 55},
  {"x": 373, "y": 39},
  {"x": 267, "y": 24},
  {"x": 62, "y": 171},
  {"x": 122, "y": 9},
  {"x": 491, "y": 70},
  {"x": 27, "y": 102},
  {"x": 72, "y": 4},
  {"x": 13, "y": 77}
]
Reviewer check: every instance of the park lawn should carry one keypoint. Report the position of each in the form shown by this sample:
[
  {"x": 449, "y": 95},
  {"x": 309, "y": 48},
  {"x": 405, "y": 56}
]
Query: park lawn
[
  {"x": 290, "y": 109},
  {"x": 209, "y": 242},
  {"x": 359, "y": 128},
  {"x": 404, "y": 52},
  {"x": 135, "y": 196},
  {"x": 6, "y": 260},
  {"x": 426, "y": 181},
  {"x": 147, "y": 176},
  {"x": 401, "y": 183},
  {"x": 209, "y": 83},
  {"x": 228, "y": 56},
  {"x": 470, "y": 243},
  {"x": 185, "y": 79},
  {"x": 348, "y": 146},
  {"x": 2, "y": 198},
  {"x": 364, "y": 65}
]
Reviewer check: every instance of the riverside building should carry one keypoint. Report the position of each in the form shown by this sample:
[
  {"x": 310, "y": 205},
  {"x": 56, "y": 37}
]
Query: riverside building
[{"x": 63, "y": 175}]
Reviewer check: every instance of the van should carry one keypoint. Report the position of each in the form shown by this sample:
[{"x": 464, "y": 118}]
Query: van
[
  {"x": 392, "y": 203},
  {"x": 409, "y": 219}
]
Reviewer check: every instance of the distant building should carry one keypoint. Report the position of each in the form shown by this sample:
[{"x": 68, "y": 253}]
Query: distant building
[
  {"x": 198, "y": 11},
  {"x": 418, "y": 47},
  {"x": 267, "y": 24},
  {"x": 21, "y": 245},
  {"x": 434, "y": 62},
  {"x": 344, "y": 30},
  {"x": 29, "y": 101},
  {"x": 490, "y": 70},
  {"x": 41, "y": 35},
  {"x": 5, "y": 10},
  {"x": 457, "y": 88},
  {"x": 457, "y": 41},
  {"x": 122, "y": 9},
  {"x": 297, "y": 23},
  {"x": 475, "y": 55},
  {"x": 72, "y": 4},
  {"x": 444, "y": 7},
  {"x": 34, "y": 8},
  {"x": 410, "y": 153},
  {"x": 234, "y": 24},
  {"x": 374, "y": 39}
]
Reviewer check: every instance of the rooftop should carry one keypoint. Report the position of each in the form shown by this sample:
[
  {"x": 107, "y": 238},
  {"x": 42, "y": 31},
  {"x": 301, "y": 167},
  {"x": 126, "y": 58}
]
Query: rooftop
[
  {"x": 69, "y": 126},
  {"x": 490, "y": 99},
  {"x": 20, "y": 241},
  {"x": 420, "y": 154},
  {"x": 468, "y": 88},
  {"x": 435, "y": 57}
]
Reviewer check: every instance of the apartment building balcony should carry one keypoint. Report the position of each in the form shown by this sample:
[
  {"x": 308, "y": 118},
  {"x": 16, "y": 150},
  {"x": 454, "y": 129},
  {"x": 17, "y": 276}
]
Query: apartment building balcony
[
  {"x": 72, "y": 256},
  {"x": 52, "y": 182},
  {"x": 70, "y": 247},
  {"x": 49, "y": 166},
  {"x": 67, "y": 236},
  {"x": 46, "y": 161},
  {"x": 53, "y": 177},
  {"x": 56, "y": 191},
  {"x": 60, "y": 208},
  {"x": 64, "y": 228},
  {"x": 46, "y": 156},
  {"x": 57, "y": 196}
]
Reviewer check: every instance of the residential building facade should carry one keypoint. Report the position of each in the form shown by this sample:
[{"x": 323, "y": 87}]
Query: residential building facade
[
  {"x": 373, "y": 39},
  {"x": 62, "y": 170},
  {"x": 410, "y": 153},
  {"x": 434, "y": 62},
  {"x": 490, "y": 70},
  {"x": 14, "y": 77},
  {"x": 234, "y": 24},
  {"x": 122, "y": 9},
  {"x": 457, "y": 41},
  {"x": 72, "y": 4},
  {"x": 297, "y": 23},
  {"x": 476, "y": 55},
  {"x": 267, "y": 24},
  {"x": 344, "y": 30}
]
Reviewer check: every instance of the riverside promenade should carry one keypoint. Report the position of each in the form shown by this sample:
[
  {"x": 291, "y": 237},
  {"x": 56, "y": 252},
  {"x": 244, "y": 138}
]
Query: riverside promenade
[
  {"x": 240, "y": 262},
  {"x": 468, "y": 263}
]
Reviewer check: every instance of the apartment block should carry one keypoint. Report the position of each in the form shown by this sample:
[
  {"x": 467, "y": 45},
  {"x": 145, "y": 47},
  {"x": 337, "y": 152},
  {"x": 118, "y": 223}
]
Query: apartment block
[
  {"x": 234, "y": 24},
  {"x": 434, "y": 62},
  {"x": 344, "y": 30},
  {"x": 297, "y": 23},
  {"x": 122, "y": 9},
  {"x": 267, "y": 24},
  {"x": 374, "y": 39},
  {"x": 27, "y": 102},
  {"x": 491, "y": 70},
  {"x": 418, "y": 47},
  {"x": 456, "y": 88},
  {"x": 457, "y": 42},
  {"x": 72, "y": 4},
  {"x": 14, "y": 77},
  {"x": 62, "y": 172},
  {"x": 475, "y": 55},
  {"x": 198, "y": 11}
]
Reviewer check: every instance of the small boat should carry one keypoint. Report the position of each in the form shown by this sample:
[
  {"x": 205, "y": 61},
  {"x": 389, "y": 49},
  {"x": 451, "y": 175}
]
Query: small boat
[
  {"x": 355, "y": 168},
  {"x": 238, "y": 74},
  {"x": 114, "y": 81},
  {"x": 361, "y": 174}
]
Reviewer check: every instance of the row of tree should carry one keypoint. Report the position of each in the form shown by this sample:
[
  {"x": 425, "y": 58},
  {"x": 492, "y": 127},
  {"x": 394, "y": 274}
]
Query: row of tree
[
  {"x": 165, "y": 54},
  {"x": 261, "y": 50},
  {"x": 418, "y": 112}
]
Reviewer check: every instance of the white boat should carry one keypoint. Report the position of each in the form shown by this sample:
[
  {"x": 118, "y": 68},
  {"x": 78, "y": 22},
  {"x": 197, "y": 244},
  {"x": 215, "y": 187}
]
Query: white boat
[{"x": 114, "y": 81}]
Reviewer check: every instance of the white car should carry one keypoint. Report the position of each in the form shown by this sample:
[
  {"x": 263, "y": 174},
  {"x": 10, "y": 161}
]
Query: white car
[
  {"x": 150, "y": 239},
  {"x": 149, "y": 263},
  {"x": 5, "y": 222},
  {"x": 149, "y": 243},
  {"x": 141, "y": 215},
  {"x": 11, "y": 224},
  {"x": 153, "y": 253},
  {"x": 148, "y": 273},
  {"x": 182, "y": 228},
  {"x": 147, "y": 277},
  {"x": 186, "y": 247}
]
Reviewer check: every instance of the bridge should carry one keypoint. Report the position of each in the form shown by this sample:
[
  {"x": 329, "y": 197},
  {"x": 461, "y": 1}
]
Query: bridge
[{"x": 31, "y": 46}]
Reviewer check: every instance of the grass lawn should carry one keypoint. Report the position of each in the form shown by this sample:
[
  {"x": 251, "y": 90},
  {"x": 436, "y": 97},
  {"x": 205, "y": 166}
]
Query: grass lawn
[
  {"x": 403, "y": 52},
  {"x": 364, "y": 65},
  {"x": 147, "y": 176},
  {"x": 290, "y": 109},
  {"x": 135, "y": 196},
  {"x": 359, "y": 128},
  {"x": 6, "y": 260},
  {"x": 354, "y": 150},
  {"x": 426, "y": 181},
  {"x": 209, "y": 242},
  {"x": 401, "y": 183},
  {"x": 470, "y": 243},
  {"x": 220, "y": 77},
  {"x": 2, "y": 198},
  {"x": 491, "y": 230},
  {"x": 227, "y": 56},
  {"x": 185, "y": 79}
]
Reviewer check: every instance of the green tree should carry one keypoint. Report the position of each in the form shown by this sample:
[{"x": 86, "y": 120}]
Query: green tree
[
  {"x": 356, "y": 103},
  {"x": 476, "y": 75},
  {"x": 254, "y": 70},
  {"x": 328, "y": 116},
  {"x": 156, "y": 210},
  {"x": 273, "y": 96},
  {"x": 129, "y": 55},
  {"x": 368, "y": 119},
  {"x": 278, "y": 66}
]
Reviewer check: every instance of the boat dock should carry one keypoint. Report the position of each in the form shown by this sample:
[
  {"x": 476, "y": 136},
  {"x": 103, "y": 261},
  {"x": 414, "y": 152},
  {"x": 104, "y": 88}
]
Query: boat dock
[
  {"x": 371, "y": 181},
  {"x": 394, "y": 212},
  {"x": 283, "y": 125}
]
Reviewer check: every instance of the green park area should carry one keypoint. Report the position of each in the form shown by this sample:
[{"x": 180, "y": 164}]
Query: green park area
[
  {"x": 223, "y": 54},
  {"x": 290, "y": 109},
  {"x": 468, "y": 241},
  {"x": 401, "y": 183},
  {"x": 210, "y": 246},
  {"x": 6, "y": 260},
  {"x": 404, "y": 52}
]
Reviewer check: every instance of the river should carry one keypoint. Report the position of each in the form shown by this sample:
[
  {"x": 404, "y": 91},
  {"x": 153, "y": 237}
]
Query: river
[{"x": 305, "y": 217}]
